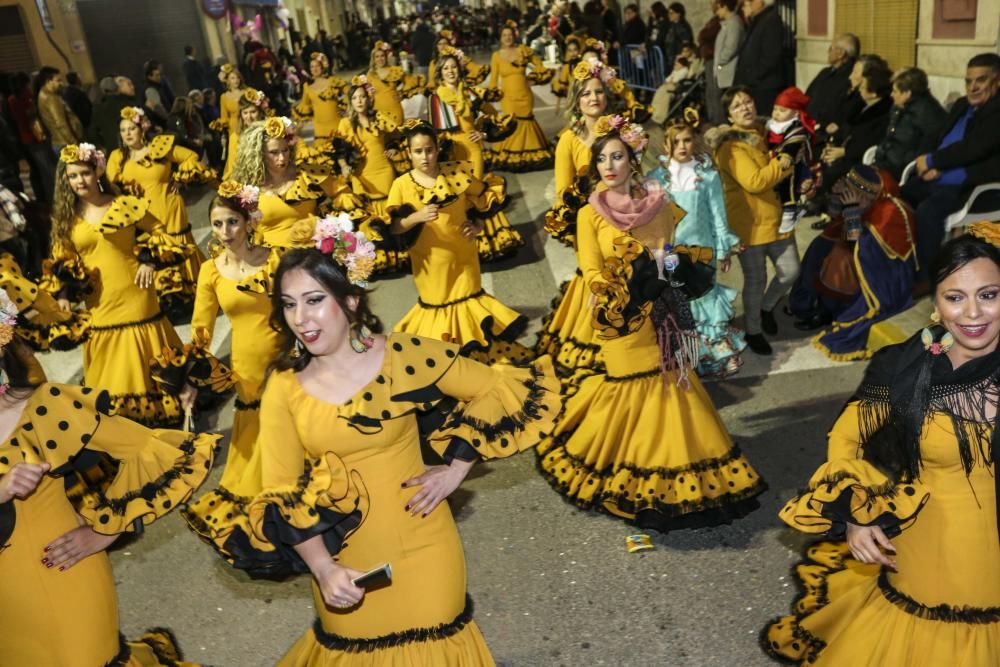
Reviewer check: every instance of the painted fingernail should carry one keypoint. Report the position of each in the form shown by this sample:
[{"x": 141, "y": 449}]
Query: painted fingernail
[
  {"x": 62, "y": 567},
  {"x": 50, "y": 565},
  {"x": 47, "y": 548},
  {"x": 407, "y": 508}
]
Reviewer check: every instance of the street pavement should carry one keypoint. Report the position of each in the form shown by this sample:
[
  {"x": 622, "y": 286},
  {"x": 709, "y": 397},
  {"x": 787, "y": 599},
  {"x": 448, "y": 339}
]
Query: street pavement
[{"x": 552, "y": 585}]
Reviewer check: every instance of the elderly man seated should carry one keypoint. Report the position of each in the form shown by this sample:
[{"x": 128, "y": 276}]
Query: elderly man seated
[
  {"x": 828, "y": 91},
  {"x": 967, "y": 155},
  {"x": 860, "y": 270}
]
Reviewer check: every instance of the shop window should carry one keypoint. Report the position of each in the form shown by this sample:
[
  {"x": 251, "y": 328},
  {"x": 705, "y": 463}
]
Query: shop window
[{"x": 954, "y": 19}]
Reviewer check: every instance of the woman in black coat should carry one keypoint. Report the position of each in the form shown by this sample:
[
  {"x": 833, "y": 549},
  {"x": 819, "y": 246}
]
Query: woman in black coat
[
  {"x": 914, "y": 122},
  {"x": 678, "y": 34}
]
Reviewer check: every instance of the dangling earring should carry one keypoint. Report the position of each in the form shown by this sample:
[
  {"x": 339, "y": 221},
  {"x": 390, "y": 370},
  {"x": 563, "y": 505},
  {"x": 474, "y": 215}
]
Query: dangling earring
[
  {"x": 936, "y": 317},
  {"x": 361, "y": 338},
  {"x": 936, "y": 347},
  {"x": 4, "y": 382},
  {"x": 298, "y": 349}
]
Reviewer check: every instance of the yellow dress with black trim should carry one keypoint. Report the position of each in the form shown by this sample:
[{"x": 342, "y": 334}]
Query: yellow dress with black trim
[
  {"x": 48, "y": 327},
  {"x": 527, "y": 149},
  {"x": 632, "y": 442},
  {"x": 50, "y": 618},
  {"x": 371, "y": 177},
  {"x": 229, "y": 119},
  {"x": 154, "y": 177},
  {"x": 567, "y": 333},
  {"x": 452, "y": 304},
  {"x": 336, "y": 470},
  {"x": 396, "y": 86},
  {"x": 255, "y": 344},
  {"x": 300, "y": 201},
  {"x": 561, "y": 82},
  {"x": 498, "y": 239},
  {"x": 942, "y": 605},
  {"x": 127, "y": 327},
  {"x": 323, "y": 106}
]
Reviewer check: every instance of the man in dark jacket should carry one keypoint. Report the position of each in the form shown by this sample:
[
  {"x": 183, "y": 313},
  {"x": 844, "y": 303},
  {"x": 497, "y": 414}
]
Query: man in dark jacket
[
  {"x": 117, "y": 93},
  {"x": 967, "y": 154},
  {"x": 762, "y": 66},
  {"x": 914, "y": 122},
  {"x": 76, "y": 99},
  {"x": 634, "y": 30},
  {"x": 832, "y": 84},
  {"x": 422, "y": 43},
  {"x": 194, "y": 72}
]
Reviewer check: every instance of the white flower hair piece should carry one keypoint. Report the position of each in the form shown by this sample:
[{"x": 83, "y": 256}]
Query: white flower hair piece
[
  {"x": 335, "y": 236},
  {"x": 84, "y": 152}
]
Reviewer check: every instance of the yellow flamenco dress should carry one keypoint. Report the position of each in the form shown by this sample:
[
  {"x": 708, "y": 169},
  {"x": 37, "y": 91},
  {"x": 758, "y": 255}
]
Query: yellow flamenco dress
[
  {"x": 127, "y": 327},
  {"x": 527, "y": 149},
  {"x": 336, "y": 470},
  {"x": 452, "y": 304},
  {"x": 50, "y": 618},
  {"x": 298, "y": 200},
  {"x": 641, "y": 442},
  {"x": 941, "y": 606},
  {"x": 229, "y": 122},
  {"x": 372, "y": 174},
  {"x": 218, "y": 514},
  {"x": 567, "y": 333},
  {"x": 391, "y": 90},
  {"x": 156, "y": 177},
  {"x": 458, "y": 112},
  {"x": 42, "y": 325},
  {"x": 323, "y": 105}
]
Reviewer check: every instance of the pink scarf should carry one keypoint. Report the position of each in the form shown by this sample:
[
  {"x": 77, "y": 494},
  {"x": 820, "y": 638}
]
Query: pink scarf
[{"x": 625, "y": 213}]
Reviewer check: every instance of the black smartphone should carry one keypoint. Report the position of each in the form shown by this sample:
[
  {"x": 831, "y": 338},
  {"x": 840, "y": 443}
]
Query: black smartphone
[{"x": 380, "y": 576}]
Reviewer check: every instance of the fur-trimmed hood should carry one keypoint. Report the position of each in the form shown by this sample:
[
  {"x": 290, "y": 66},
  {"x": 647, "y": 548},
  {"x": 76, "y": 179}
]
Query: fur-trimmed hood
[{"x": 720, "y": 134}]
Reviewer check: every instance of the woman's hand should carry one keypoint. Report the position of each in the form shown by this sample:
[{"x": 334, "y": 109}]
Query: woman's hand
[
  {"x": 144, "y": 276},
  {"x": 808, "y": 188},
  {"x": 426, "y": 214},
  {"x": 64, "y": 304},
  {"x": 867, "y": 543},
  {"x": 470, "y": 229},
  {"x": 726, "y": 263},
  {"x": 335, "y": 585},
  {"x": 475, "y": 137},
  {"x": 391, "y": 153},
  {"x": 436, "y": 484},
  {"x": 66, "y": 551},
  {"x": 832, "y": 153},
  {"x": 21, "y": 480},
  {"x": 187, "y": 396}
]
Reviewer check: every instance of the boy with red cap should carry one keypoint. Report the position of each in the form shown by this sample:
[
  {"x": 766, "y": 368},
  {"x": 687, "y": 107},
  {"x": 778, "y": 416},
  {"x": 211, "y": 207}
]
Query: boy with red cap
[{"x": 792, "y": 131}]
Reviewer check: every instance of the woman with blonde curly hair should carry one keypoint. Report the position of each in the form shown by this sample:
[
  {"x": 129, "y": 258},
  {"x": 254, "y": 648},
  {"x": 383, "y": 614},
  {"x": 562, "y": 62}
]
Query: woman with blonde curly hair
[
  {"x": 104, "y": 250},
  {"x": 154, "y": 169},
  {"x": 287, "y": 193},
  {"x": 322, "y": 99},
  {"x": 229, "y": 113},
  {"x": 391, "y": 83},
  {"x": 642, "y": 441}
]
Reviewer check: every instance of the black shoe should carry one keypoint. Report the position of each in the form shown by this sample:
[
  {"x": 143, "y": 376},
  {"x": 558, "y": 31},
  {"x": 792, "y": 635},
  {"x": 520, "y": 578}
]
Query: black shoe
[
  {"x": 768, "y": 323},
  {"x": 758, "y": 344}
]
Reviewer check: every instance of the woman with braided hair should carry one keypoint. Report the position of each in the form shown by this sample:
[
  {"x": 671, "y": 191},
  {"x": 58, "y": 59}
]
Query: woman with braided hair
[
  {"x": 643, "y": 441},
  {"x": 910, "y": 480}
]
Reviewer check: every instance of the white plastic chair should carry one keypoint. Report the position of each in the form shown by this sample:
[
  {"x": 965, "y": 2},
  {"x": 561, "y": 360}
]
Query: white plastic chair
[
  {"x": 868, "y": 159},
  {"x": 963, "y": 217}
]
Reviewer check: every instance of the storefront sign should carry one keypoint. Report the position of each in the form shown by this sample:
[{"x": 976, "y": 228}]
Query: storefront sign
[
  {"x": 216, "y": 9},
  {"x": 43, "y": 13}
]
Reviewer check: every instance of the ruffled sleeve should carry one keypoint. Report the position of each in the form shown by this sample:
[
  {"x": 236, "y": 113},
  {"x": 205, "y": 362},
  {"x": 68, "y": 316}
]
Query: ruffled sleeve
[
  {"x": 560, "y": 84},
  {"x": 42, "y": 324},
  {"x": 302, "y": 496},
  {"x": 413, "y": 84},
  {"x": 64, "y": 275},
  {"x": 848, "y": 489},
  {"x": 304, "y": 109},
  {"x": 475, "y": 74},
  {"x": 726, "y": 241},
  {"x": 157, "y": 469},
  {"x": 539, "y": 74},
  {"x": 188, "y": 168},
  {"x": 153, "y": 244}
]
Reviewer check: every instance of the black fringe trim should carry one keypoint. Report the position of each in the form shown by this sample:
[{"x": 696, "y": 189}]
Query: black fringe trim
[
  {"x": 150, "y": 490},
  {"x": 446, "y": 304},
  {"x": 941, "y": 612},
  {"x": 127, "y": 325},
  {"x": 347, "y": 645},
  {"x": 814, "y": 645},
  {"x": 530, "y": 411},
  {"x": 123, "y": 656},
  {"x": 640, "y": 375},
  {"x": 252, "y": 405}
]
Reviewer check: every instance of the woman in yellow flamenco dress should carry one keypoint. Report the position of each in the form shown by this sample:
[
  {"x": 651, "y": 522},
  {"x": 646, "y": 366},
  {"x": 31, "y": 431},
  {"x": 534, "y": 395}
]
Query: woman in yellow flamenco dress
[
  {"x": 365, "y": 145},
  {"x": 391, "y": 83},
  {"x": 567, "y": 334},
  {"x": 229, "y": 113},
  {"x": 288, "y": 193},
  {"x": 58, "y": 606},
  {"x": 322, "y": 100},
  {"x": 643, "y": 441},
  {"x": 526, "y": 149},
  {"x": 464, "y": 116},
  {"x": 104, "y": 251},
  {"x": 474, "y": 74},
  {"x": 345, "y": 485},
  {"x": 911, "y": 476},
  {"x": 153, "y": 170},
  {"x": 430, "y": 207},
  {"x": 238, "y": 279}
]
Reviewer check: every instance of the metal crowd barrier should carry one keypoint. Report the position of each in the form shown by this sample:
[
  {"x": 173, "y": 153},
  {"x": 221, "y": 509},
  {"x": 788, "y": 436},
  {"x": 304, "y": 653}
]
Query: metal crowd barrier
[{"x": 641, "y": 69}]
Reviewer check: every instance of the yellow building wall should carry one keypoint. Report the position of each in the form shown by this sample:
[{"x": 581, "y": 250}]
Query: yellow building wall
[{"x": 69, "y": 51}]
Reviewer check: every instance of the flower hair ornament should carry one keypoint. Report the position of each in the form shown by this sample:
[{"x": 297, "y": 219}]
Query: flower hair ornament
[
  {"x": 448, "y": 35},
  {"x": 512, "y": 26},
  {"x": 458, "y": 54},
  {"x": 361, "y": 81},
  {"x": 629, "y": 132},
  {"x": 280, "y": 127},
  {"x": 321, "y": 58},
  {"x": 246, "y": 196},
  {"x": 595, "y": 45},
  {"x": 692, "y": 117},
  {"x": 335, "y": 236},
  {"x": 591, "y": 68},
  {"x": 226, "y": 70},
  {"x": 382, "y": 46},
  {"x": 89, "y": 153},
  {"x": 137, "y": 116},
  {"x": 256, "y": 98},
  {"x": 8, "y": 320}
]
